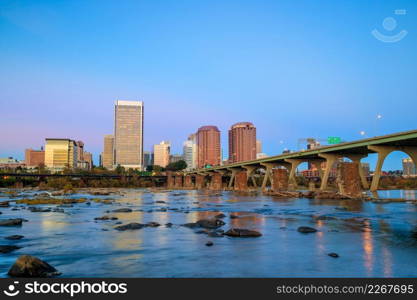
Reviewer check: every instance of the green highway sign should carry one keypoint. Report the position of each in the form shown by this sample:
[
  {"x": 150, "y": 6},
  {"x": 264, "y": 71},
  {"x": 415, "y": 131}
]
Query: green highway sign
[{"x": 334, "y": 140}]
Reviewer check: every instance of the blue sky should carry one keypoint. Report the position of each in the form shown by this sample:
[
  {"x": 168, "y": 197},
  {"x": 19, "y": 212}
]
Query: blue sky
[{"x": 295, "y": 69}]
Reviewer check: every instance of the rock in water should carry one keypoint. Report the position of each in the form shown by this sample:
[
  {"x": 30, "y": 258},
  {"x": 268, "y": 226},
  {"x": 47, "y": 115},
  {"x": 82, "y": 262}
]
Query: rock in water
[
  {"x": 14, "y": 237},
  {"x": 220, "y": 216},
  {"x": 152, "y": 224},
  {"x": 209, "y": 244},
  {"x": 30, "y": 266},
  {"x": 39, "y": 209},
  {"x": 332, "y": 254},
  {"x": 8, "y": 248},
  {"x": 122, "y": 210},
  {"x": 306, "y": 229},
  {"x": 237, "y": 232},
  {"x": 105, "y": 218},
  {"x": 210, "y": 223},
  {"x": 11, "y": 222},
  {"x": 4, "y": 204},
  {"x": 130, "y": 226},
  {"x": 190, "y": 225}
]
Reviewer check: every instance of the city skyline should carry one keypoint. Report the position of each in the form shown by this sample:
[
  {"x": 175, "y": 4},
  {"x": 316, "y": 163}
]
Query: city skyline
[{"x": 256, "y": 63}]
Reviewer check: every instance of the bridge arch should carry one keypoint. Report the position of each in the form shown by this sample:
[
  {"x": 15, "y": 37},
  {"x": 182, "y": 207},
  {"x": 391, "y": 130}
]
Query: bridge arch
[{"x": 383, "y": 152}]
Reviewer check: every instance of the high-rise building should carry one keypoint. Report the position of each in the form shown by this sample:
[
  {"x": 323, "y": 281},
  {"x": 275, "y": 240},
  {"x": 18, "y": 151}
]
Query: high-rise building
[
  {"x": 409, "y": 168},
  {"x": 258, "y": 146},
  {"x": 147, "y": 159},
  {"x": 60, "y": 153},
  {"x": 161, "y": 153},
  {"x": 34, "y": 158},
  {"x": 108, "y": 152},
  {"x": 208, "y": 146},
  {"x": 128, "y": 134},
  {"x": 190, "y": 152},
  {"x": 175, "y": 158},
  {"x": 80, "y": 151},
  {"x": 242, "y": 142},
  {"x": 88, "y": 160}
]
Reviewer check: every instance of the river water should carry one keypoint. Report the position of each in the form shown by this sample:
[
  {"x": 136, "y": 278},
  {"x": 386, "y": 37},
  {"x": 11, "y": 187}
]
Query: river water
[{"x": 373, "y": 239}]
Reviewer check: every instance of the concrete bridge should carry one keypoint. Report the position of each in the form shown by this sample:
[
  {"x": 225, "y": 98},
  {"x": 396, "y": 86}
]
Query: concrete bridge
[{"x": 280, "y": 171}]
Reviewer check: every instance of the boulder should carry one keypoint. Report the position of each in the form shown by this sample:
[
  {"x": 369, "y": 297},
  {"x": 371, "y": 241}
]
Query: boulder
[
  {"x": 306, "y": 229},
  {"x": 152, "y": 224},
  {"x": 168, "y": 225},
  {"x": 8, "y": 248},
  {"x": 14, "y": 237},
  {"x": 210, "y": 223},
  {"x": 215, "y": 234},
  {"x": 11, "y": 222},
  {"x": 30, "y": 266},
  {"x": 190, "y": 225},
  {"x": 234, "y": 216},
  {"x": 122, "y": 210},
  {"x": 209, "y": 244},
  {"x": 39, "y": 209},
  {"x": 130, "y": 226},
  {"x": 332, "y": 254},
  {"x": 4, "y": 204},
  {"x": 220, "y": 216},
  {"x": 105, "y": 218},
  {"x": 237, "y": 232}
]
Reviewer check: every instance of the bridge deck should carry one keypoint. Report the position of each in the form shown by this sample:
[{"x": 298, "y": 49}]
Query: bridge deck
[{"x": 401, "y": 139}]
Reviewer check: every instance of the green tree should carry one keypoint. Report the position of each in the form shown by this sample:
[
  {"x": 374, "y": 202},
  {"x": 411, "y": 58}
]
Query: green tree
[
  {"x": 177, "y": 166},
  {"x": 120, "y": 170},
  {"x": 157, "y": 168},
  {"x": 149, "y": 168}
]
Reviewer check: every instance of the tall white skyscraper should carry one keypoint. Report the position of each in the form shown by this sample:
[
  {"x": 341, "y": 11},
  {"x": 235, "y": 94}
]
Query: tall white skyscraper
[
  {"x": 128, "y": 134},
  {"x": 190, "y": 152}
]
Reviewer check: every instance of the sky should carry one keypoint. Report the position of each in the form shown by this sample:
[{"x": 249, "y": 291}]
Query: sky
[{"x": 296, "y": 69}]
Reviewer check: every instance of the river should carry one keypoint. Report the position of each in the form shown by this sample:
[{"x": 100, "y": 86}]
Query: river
[{"x": 372, "y": 239}]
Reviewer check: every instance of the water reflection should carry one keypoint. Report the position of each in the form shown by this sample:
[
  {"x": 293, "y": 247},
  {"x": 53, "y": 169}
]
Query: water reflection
[
  {"x": 372, "y": 239},
  {"x": 368, "y": 250}
]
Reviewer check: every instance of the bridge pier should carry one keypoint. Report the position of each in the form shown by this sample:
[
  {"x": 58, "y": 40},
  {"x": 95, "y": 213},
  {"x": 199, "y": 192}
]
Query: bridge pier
[
  {"x": 268, "y": 174},
  {"x": 178, "y": 183},
  {"x": 188, "y": 181},
  {"x": 330, "y": 161},
  {"x": 279, "y": 180},
  {"x": 348, "y": 179},
  {"x": 356, "y": 158},
  {"x": 233, "y": 176},
  {"x": 250, "y": 171},
  {"x": 170, "y": 180},
  {"x": 199, "y": 181},
  {"x": 294, "y": 163},
  {"x": 216, "y": 181},
  {"x": 241, "y": 181}
]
